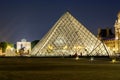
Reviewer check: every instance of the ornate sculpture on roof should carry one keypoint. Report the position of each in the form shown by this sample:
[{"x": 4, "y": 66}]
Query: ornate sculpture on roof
[
  {"x": 118, "y": 15},
  {"x": 23, "y": 40}
]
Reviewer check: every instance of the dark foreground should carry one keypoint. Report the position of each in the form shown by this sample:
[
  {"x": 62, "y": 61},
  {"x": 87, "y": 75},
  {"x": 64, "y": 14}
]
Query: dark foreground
[{"x": 58, "y": 69}]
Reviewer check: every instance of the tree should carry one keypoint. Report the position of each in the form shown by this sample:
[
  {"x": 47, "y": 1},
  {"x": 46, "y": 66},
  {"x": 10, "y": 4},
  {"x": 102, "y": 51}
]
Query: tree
[
  {"x": 3, "y": 46},
  {"x": 33, "y": 43}
]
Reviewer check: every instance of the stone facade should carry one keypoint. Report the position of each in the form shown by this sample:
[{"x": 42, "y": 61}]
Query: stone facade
[
  {"x": 23, "y": 47},
  {"x": 112, "y": 40}
]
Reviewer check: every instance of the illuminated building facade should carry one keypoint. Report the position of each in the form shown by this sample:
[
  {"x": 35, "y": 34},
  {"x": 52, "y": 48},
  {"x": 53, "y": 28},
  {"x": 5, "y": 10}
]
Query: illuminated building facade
[
  {"x": 111, "y": 40},
  {"x": 68, "y": 37},
  {"x": 1, "y": 52},
  {"x": 10, "y": 51},
  {"x": 107, "y": 37},
  {"x": 117, "y": 34},
  {"x": 23, "y": 47}
]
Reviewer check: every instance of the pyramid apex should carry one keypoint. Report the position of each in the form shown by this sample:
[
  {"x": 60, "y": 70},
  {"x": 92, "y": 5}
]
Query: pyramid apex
[{"x": 67, "y": 12}]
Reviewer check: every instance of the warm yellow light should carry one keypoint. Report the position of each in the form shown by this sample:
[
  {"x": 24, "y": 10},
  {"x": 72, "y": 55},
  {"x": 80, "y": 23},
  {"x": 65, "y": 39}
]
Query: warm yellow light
[
  {"x": 92, "y": 59},
  {"x": 65, "y": 47},
  {"x": 74, "y": 47},
  {"x": 77, "y": 58},
  {"x": 108, "y": 47},
  {"x": 50, "y": 47},
  {"x": 78, "y": 47},
  {"x": 116, "y": 38},
  {"x": 9, "y": 47},
  {"x": 113, "y": 60},
  {"x": 113, "y": 49}
]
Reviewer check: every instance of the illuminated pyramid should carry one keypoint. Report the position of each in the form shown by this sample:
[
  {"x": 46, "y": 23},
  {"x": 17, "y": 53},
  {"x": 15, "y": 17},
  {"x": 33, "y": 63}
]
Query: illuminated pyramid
[{"x": 68, "y": 37}]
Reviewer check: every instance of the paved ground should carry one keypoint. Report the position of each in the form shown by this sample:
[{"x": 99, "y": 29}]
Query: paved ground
[{"x": 58, "y": 69}]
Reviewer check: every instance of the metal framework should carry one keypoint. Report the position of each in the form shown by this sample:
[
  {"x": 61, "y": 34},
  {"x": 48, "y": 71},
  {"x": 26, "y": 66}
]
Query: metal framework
[{"x": 67, "y": 37}]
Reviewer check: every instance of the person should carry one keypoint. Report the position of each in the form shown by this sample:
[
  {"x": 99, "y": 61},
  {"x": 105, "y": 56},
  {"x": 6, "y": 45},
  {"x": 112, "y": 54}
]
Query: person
[{"x": 76, "y": 54}]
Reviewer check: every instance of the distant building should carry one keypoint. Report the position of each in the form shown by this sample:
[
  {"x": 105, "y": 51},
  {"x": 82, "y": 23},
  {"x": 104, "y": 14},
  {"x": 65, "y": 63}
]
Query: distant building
[
  {"x": 1, "y": 52},
  {"x": 10, "y": 51},
  {"x": 106, "y": 34},
  {"x": 112, "y": 40},
  {"x": 107, "y": 37},
  {"x": 117, "y": 34},
  {"x": 23, "y": 47}
]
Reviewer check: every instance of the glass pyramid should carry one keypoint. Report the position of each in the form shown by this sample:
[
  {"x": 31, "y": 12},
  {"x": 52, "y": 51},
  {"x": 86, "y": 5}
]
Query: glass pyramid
[{"x": 68, "y": 37}]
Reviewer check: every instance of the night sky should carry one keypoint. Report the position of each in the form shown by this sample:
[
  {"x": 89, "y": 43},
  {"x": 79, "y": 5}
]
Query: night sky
[{"x": 31, "y": 19}]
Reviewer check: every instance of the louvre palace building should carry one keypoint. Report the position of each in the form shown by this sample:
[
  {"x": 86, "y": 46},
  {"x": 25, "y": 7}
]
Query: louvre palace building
[
  {"x": 68, "y": 36},
  {"x": 112, "y": 40}
]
